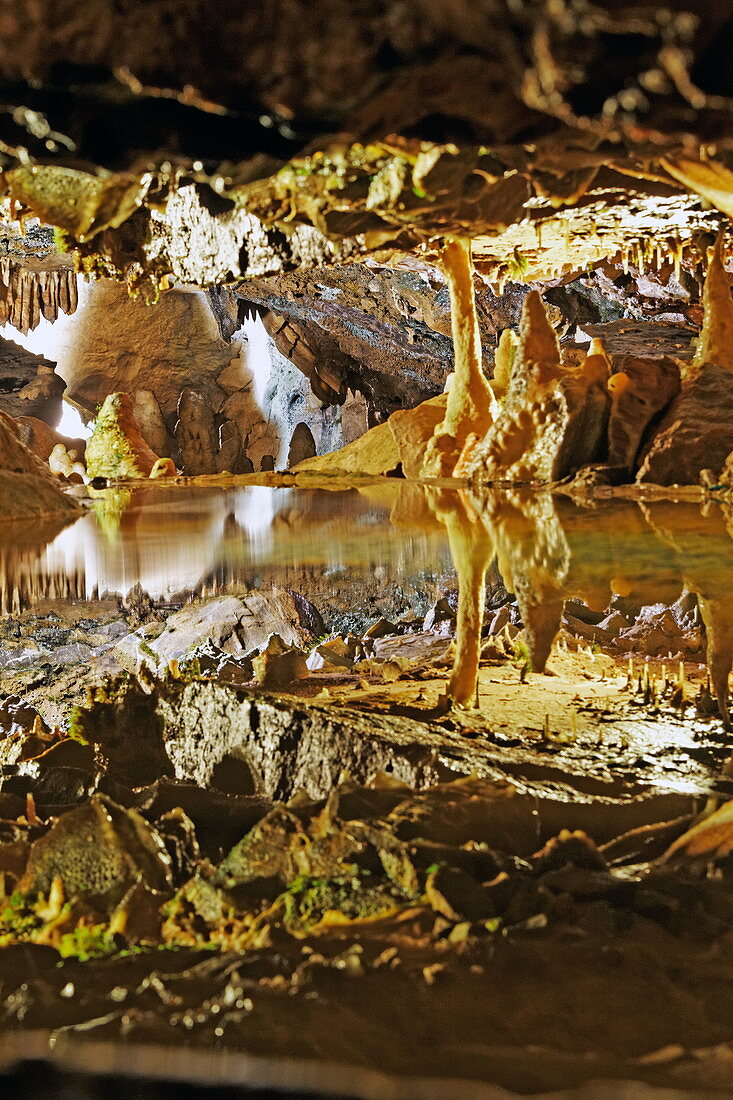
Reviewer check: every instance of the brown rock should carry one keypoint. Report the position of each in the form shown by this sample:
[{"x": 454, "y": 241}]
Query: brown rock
[
  {"x": 230, "y": 457},
  {"x": 696, "y": 433},
  {"x": 640, "y": 389},
  {"x": 151, "y": 423},
  {"x": 413, "y": 429},
  {"x": 554, "y": 415},
  {"x": 117, "y": 448},
  {"x": 279, "y": 664},
  {"x": 302, "y": 445},
  {"x": 41, "y": 439},
  {"x": 376, "y": 452},
  {"x": 164, "y": 467},
  {"x": 196, "y": 434},
  {"x": 27, "y": 486}
]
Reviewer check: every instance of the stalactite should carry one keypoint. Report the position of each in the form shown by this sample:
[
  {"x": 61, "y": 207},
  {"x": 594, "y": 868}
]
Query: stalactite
[{"x": 26, "y": 296}]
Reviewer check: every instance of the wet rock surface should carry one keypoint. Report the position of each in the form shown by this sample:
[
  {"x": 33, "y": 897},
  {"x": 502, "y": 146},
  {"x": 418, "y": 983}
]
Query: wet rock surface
[
  {"x": 312, "y": 828},
  {"x": 289, "y": 912}
]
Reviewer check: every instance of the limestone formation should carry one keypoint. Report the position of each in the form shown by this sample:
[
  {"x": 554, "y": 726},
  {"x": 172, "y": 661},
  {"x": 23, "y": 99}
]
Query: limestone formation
[
  {"x": 164, "y": 467},
  {"x": 640, "y": 389},
  {"x": 279, "y": 664},
  {"x": 66, "y": 463},
  {"x": 553, "y": 417},
  {"x": 196, "y": 434},
  {"x": 27, "y": 296},
  {"x": 28, "y": 489},
  {"x": 116, "y": 448},
  {"x": 28, "y": 384},
  {"x": 376, "y": 452},
  {"x": 146, "y": 411},
  {"x": 470, "y": 400},
  {"x": 302, "y": 445},
  {"x": 41, "y": 439},
  {"x": 230, "y": 457},
  {"x": 413, "y": 429},
  {"x": 696, "y": 433}
]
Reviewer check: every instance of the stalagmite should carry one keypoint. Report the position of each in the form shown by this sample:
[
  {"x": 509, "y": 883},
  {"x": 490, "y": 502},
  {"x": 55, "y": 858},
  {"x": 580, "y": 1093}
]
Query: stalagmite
[
  {"x": 554, "y": 414},
  {"x": 116, "y": 448},
  {"x": 696, "y": 434},
  {"x": 470, "y": 399}
]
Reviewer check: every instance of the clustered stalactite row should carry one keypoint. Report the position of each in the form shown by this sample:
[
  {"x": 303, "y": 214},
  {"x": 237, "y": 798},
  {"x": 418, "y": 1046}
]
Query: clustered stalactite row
[{"x": 27, "y": 296}]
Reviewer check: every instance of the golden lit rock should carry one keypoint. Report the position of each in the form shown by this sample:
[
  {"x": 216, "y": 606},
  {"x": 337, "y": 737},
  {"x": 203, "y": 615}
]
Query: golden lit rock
[{"x": 116, "y": 448}]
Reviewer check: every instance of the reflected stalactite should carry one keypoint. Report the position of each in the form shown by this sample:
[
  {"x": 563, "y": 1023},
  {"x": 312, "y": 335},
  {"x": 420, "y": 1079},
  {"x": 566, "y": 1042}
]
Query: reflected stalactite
[
  {"x": 717, "y": 615},
  {"x": 533, "y": 557},
  {"x": 472, "y": 550},
  {"x": 549, "y": 549},
  {"x": 706, "y": 568}
]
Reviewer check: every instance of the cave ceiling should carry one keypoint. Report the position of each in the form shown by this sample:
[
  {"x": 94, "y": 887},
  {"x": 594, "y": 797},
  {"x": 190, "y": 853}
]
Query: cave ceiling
[{"x": 204, "y": 144}]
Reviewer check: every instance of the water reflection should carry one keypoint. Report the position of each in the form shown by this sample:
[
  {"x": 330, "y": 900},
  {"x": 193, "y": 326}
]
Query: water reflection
[{"x": 549, "y": 549}]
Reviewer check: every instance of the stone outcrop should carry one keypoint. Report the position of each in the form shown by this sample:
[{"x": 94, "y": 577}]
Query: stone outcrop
[
  {"x": 640, "y": 390},
  {"x": 196, "y": 434},
  {"x": 376, "y": 452},
  {"x": 696, "y": 433},
  {"x": 412, "y": 431},
  {"x": 29, "y": 385},
  {"x": 149, "y": 417},
  {"x": 553, "y": 417},
  {"x": 41, "y": 439},
  {"x": 116, "y": 448},
  {"x": 28, "y": 490},
  {"x": 233, "y": 625},
  {"x": 231, "y": 457}
]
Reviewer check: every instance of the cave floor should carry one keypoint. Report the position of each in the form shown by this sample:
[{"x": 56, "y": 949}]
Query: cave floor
[{"x": 325, "y": 876}]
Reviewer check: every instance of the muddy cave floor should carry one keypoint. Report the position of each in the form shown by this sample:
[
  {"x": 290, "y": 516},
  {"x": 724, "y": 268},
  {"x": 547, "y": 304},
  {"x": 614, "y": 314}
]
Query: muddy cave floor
[{"x": 532, "y": 894}]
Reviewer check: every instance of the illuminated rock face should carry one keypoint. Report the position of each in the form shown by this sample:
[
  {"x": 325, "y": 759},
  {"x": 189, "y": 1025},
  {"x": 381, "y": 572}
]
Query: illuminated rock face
[
  {"x": 696, "y": 433},
  {"x": 116, "y": 448},
  {"x": 468, "y": 411},
  {"x": 27, "y": 487},
  {"x": 553, "y": 417},
  {"x": 640, "y": 389}
]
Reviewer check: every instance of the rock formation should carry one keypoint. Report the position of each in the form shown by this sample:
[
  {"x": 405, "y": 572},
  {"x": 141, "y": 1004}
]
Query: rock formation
[
  {"x": 41, "y": 439},
  {"x": 29, "y": 385},
  {"x": 149, "y": 418},
  {"x": 116, "y": 448},
  {"x": 28, "y": 490},
  {"x": 28, "y": 295},
  {"x": 195, "y": 434},
  {"x": 640, "y": 390},
  {"x": 696, "y": 433},
  {"x": 469, "y": 409},
  {"x": 553, "y": 417}
]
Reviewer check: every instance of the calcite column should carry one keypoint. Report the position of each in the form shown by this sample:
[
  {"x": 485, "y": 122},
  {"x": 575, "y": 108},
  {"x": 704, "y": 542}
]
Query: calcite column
[{"x": 470, "y": 399}]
